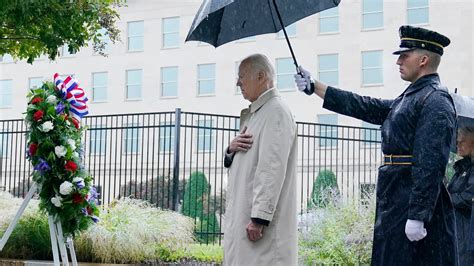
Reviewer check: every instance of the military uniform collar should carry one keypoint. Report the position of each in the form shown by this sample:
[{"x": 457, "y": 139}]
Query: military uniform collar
[
  {"x": 262, "y": 99},
  {"x": 462, "y": 164},
  {"x": 422, "y": 82}
]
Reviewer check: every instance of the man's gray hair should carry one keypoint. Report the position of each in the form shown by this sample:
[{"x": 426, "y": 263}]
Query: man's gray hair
[
  {"x": 260, "y": 62},
  {"x": 466, "y": 132}
]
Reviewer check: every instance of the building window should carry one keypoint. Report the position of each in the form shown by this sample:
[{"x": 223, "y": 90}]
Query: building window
[
  {"x": 206, "y": 79},
  {"x": 327, "y": 130},
  {"x": 98, "y": 140},
  {"x": 99, "y": 87},
  {"x": 285, "y": 74},
  {"x": 372, "y": 14},
  {"x": 417, "y": 12},
  {"x": 134, "y": 84},
  {"x": 372, "y": 73},
  {"x": 290, "y": 31},
  {"x": 169, "y": 81},
  {"x": 205, "y": 136},
  {"x": 135, "y": 32},
  {"x": 131, "y": 139},
  {"x": 35, "y": 82},
  {"x": 166, "y": 133},
  {"x": 6, "y": 93},
  {"x": 64, "y": 51},
  {"x": 64, "y": 76},
  {"x": 367, "y": 192},
  {"x": 371, "y": 134},
  {"x": 329, "y": 69},
  {"x": 329, "y": 20},
  {"x": 171, "y": 32},
  {"x": 105, "y": 39},
  {"x": 6, "y": 58},
  {"x": 4, "y": 141}
]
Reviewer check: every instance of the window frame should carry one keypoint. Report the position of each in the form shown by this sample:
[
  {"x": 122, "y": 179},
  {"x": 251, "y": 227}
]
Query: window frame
[
  {"x": 164, "y": 33},
  {"x": 162, "y": 82},
  {"x": 362, "y": 68},
  {"x": 127, "y": 85},
  {"x": 289, "y": 74},
  {"x": 142, "y": 36},
  {"x": 198, "y": 80},
  {"x": 363, "y": 13}
]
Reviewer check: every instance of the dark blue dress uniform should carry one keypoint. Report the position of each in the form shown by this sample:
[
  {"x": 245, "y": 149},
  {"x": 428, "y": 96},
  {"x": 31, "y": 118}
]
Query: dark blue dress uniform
[
  {"x": 417, "y": 129},
  {"x": 461, "y": 189}
]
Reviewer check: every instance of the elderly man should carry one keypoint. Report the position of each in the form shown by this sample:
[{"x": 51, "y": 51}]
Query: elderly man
[
  {"x": 260, "y": 224},
  {"x": 414, "y": 222}
]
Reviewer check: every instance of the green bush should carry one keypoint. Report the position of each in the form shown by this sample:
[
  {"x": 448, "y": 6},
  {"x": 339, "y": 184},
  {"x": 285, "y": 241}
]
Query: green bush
[
  {"x": 30, "y": 239},
  {"x": 324, "y": 185},
  {"x": 158, "y": 191},
  {"x": 196, "y": 204},
  {"x": 341, "y": 233}
]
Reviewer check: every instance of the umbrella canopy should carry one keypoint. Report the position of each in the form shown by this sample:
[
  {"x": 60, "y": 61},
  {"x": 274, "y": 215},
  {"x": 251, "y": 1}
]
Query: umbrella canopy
[
  {"x": 464, "y": 109},
  {"x": 465, "y": 113},
  {"x": 221, "y": 21}
]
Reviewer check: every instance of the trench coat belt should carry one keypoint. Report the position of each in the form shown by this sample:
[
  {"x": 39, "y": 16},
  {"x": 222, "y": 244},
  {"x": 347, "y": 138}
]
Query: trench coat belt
[{"x": 392, "y": 159}]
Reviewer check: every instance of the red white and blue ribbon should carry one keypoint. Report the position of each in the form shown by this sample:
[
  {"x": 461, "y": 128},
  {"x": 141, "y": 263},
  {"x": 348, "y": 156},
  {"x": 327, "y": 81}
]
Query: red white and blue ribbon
[{"x": 73, "y": 94}]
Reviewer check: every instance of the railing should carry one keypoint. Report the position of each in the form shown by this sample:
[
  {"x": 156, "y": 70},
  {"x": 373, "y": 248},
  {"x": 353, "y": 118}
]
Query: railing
[{"x": 175, "y": 161}]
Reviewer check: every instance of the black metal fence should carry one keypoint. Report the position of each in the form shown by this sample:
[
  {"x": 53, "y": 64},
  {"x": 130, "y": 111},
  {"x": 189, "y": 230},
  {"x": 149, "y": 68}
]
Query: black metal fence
[{"x": 175, "y": 161}]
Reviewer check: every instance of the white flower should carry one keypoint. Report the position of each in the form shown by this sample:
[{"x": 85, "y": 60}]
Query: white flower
[
  {"x": 79, "y": 181},
  {"x": 65, "y": 188},
  {"x": 46, "y": 126},
  {"x": 51, "y": 99},
  {"x": 75, "y": 155},
  {"x": 60, "y": 151},
  {"x": 57, "y": 201},
  {"x": 71, "y": 143}
]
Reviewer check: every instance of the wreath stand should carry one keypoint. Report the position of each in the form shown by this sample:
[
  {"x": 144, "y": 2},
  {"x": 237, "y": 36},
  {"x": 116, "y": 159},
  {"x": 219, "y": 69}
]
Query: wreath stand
[{"x": 55, "y": 231}]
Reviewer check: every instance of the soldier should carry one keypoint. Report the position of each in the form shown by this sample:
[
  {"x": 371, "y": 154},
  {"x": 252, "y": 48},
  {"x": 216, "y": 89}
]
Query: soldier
[{"x": 414, "y": 216}]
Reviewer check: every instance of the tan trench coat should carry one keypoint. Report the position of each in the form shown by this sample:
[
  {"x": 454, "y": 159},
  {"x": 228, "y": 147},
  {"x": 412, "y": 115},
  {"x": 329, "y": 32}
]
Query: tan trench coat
[{"x": 262, "y": 184}]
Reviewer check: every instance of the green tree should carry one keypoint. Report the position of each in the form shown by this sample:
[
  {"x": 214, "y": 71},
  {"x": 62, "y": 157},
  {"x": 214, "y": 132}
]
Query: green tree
[
  {"x": 30, "y": 28},
  {"x": 196, "y": 205},
  {"x": 324, "y": 188}
]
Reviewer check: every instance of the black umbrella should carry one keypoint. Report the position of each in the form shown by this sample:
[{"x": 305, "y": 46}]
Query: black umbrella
[
  {"x": 465, "y": 112},
  {"x": 221, "y": 21}
]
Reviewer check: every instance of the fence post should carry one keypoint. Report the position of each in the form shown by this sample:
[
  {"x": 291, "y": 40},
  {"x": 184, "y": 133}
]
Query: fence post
[{"x": 177, "y": 140}]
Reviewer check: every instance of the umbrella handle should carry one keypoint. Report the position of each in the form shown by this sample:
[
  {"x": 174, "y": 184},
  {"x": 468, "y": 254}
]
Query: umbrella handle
[
  {"x": 286, "y": 36},
  {"x": 309, "y": 91}
]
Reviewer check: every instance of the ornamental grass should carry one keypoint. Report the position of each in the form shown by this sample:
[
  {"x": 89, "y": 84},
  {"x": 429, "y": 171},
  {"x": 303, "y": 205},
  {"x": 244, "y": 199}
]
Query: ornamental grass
[{"x": 133, "y": 231}]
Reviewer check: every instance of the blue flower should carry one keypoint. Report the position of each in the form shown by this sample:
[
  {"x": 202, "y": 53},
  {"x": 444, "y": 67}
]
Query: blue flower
[
  {"x": 94, "y": 218},
  {"x": 84, "y": 211},
  {"x": 79, "y": 182},
  {"x": 59, "y": 108},
  {"x": 42, "y": 166}
]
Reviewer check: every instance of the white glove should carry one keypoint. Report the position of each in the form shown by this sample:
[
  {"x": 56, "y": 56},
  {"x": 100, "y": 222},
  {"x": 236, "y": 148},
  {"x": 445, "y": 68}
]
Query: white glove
[
  {"x": 303, "y": 81},
  {"x": 415, "y": 230}
]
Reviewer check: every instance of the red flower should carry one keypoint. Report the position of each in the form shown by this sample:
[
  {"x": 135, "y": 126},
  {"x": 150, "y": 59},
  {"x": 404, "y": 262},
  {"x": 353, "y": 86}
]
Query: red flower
[
  {"x": 36, "y": 100},
  {"x": 77, "y": 198},
  {"x": 70, "y": 166},
  {"x": 75, "y": 122},
  {"x": 33, "y": 148},
  {"x": 38, "y": 115}
]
